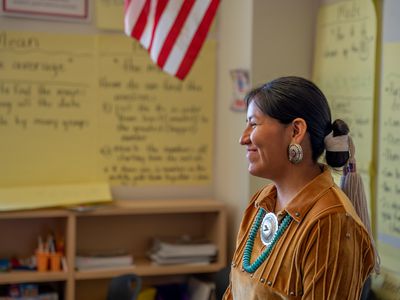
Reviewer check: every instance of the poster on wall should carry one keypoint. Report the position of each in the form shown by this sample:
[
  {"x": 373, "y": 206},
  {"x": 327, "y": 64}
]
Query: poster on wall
[
  {"x": 84, "y": 112},
  {"x": 47, "y": 9},
  {"x": 388, "y": 188},
  {"x": 240, "y": 87},
  {"x": 344, "y": 69},
  {"x": 387, "y": 285}
]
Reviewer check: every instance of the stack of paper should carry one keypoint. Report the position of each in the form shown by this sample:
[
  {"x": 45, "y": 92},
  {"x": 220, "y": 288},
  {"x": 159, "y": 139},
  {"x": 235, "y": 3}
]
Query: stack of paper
[
  {"x": 103, "y": 260},
  {"x": 182, "y": 252}
]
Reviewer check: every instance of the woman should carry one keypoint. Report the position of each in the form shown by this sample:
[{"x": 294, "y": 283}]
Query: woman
[{"x": 300, "y": 237}]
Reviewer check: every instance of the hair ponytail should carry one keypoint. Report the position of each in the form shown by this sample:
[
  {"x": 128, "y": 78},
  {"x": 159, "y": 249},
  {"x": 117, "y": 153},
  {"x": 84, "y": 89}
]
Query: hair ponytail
[
  {"x": 352, "y": 185},
  {"x": 340, "y": 151}
]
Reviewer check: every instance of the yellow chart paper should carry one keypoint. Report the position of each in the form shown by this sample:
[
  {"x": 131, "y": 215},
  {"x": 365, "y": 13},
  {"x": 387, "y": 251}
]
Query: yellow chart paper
[
  {"x": 47, "y": 109},
  {"x": 344, "y": 69},
  {"x": 388, "y": 191},
  {"x": 155, "y": 128},
  {"x": 29, "y": 197},
  {"x": 82, "y": 109}
]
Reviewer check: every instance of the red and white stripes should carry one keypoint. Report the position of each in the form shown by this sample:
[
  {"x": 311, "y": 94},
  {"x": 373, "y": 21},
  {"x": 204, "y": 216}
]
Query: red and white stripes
[{"x": 173, "y": 31}]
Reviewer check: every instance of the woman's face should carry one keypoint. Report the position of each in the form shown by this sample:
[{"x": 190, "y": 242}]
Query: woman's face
[{"x": 266, "y": 141}]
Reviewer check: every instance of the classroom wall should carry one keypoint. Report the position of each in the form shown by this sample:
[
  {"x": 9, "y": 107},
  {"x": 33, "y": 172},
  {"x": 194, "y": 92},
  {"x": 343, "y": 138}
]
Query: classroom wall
[{"x": 283, "y": 45}]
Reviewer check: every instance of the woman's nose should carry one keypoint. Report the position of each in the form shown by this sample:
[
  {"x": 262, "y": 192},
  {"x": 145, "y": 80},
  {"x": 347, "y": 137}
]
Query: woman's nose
[{"x": 244, "y": 138}]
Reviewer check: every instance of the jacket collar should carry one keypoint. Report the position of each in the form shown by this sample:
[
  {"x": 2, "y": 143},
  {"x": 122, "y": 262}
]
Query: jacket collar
[{"x": 303, "y": 201}]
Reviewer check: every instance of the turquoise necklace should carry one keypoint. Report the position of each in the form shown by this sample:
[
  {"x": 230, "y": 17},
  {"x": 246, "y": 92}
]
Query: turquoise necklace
[{"x": 251, "y": 268}]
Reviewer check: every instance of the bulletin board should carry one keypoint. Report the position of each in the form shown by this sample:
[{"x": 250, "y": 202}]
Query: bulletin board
[{"x": 94, "y": 108}]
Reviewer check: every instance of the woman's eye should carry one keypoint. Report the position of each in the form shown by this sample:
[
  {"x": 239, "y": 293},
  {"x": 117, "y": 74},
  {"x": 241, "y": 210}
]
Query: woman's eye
[{"x": 253, "y": 125}]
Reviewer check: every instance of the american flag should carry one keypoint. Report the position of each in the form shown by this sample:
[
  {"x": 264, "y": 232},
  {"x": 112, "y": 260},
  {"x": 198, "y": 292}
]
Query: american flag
[{"x": 173, "y": 31}]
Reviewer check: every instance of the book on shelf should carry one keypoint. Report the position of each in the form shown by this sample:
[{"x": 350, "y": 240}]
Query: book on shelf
[
  {"x": 182, "y": 251},
  {"x": 155, "y": 258},
  {"x": 99, "y": 260}
]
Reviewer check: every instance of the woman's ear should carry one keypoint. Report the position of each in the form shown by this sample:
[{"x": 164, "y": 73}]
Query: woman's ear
[{"x": 299, "y": 127}]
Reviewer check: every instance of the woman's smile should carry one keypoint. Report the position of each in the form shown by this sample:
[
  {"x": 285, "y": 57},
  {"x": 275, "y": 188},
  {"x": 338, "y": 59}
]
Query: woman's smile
[{"x": 251, "y": 153}]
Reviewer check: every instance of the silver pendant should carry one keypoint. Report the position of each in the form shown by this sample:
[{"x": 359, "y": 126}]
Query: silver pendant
[{"x": 269, "y": 226}]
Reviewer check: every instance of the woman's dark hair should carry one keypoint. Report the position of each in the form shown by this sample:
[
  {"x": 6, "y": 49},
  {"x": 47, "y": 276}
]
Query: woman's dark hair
[
  {"x": 338, "y": 158},
  {"x": 287, "y": 98}
]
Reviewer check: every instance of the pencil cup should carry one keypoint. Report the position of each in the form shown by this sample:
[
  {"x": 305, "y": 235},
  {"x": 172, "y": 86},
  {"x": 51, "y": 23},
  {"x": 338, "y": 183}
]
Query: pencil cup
[
  {"x": 42, "y": 261},
  {"x": 55, "y": 261}
]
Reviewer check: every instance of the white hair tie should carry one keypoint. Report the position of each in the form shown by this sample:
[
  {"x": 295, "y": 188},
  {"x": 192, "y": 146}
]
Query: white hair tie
[{"x": 336, "y": 143}]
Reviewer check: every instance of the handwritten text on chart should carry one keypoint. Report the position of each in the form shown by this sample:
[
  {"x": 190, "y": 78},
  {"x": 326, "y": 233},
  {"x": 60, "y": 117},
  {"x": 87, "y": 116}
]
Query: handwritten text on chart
[
  {"x": 389, "y": 175},
  {"x": 19, "y": 98},
  {"x": 100, "y": 102},
  {"x": 350, "y": 33},
  {"x": 143, "y": 114}
]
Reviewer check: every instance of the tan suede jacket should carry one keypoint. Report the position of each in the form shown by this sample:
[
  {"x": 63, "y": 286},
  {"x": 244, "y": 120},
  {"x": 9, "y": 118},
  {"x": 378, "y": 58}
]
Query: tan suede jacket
[{"x": 325, "y": 253}]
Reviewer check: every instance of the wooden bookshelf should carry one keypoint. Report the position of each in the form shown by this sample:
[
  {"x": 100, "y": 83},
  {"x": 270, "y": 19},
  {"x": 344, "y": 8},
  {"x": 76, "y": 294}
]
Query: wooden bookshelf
[
  {"x": 27, "y": 276},
  {"x": 128, "y": 225}
]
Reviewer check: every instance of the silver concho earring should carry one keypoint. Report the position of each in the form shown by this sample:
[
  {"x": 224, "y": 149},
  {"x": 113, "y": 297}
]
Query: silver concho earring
[{"x": 295, "y": 153}]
